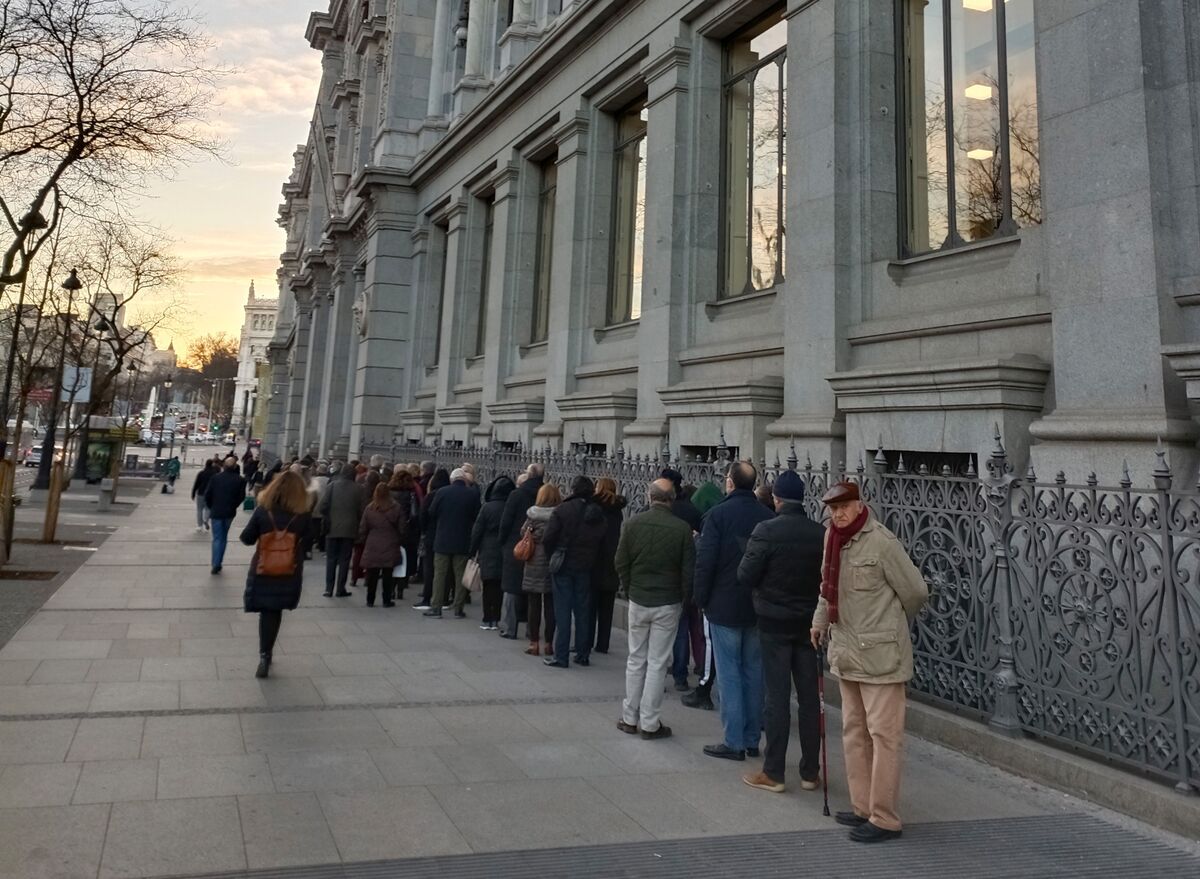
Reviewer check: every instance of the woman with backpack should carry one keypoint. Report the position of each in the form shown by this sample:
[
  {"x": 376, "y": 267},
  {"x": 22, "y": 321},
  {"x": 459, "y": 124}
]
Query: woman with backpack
[
  {"x": 381, "y": 534},
  {"x": 537, "y": 582},
  {"x": 276, "y": 531}
]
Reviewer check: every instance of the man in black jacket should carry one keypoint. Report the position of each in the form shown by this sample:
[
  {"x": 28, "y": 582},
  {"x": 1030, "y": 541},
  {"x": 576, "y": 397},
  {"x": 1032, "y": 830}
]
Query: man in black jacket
[
  {"x": 577, "y": 528},
  {"x": 452, "y": 513},
  {"x": 729, "y": 610},
  {"x": 224, "y": 494},
  {"x": 782, "y": 568}
]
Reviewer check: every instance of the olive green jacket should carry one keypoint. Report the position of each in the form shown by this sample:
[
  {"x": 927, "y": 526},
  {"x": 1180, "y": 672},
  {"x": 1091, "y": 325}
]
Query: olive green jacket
[
  {"x": 880, "y": 592},
  {"x": 656, "y": 558}
]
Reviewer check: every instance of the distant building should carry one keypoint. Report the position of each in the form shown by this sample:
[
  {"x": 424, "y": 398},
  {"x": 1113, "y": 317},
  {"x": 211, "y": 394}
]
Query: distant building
[{"x": 257, "y": 330}]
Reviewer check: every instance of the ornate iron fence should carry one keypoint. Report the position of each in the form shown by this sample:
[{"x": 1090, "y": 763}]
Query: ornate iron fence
[{"x": 1069, "y": 612}]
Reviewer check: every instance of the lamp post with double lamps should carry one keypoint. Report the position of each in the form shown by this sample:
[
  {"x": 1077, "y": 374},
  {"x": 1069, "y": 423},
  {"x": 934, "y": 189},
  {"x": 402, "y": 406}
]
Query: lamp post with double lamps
[{"x": 162, "y": 421}]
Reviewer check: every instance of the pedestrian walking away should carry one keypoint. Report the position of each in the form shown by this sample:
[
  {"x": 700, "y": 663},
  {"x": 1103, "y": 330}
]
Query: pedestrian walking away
[
  {"x": 381, "y": 533},
  {"x": 782, "y": 570},
  {"x": 341, "y": 509},
  {"x": 574, "y": 537},
  {"x": 729, "y": 609},
  {"x": 655, "y": 559},
  {"x": 870, "y": 594},
  {"x": 224, "y": 495},
  {"x": 275, "y": 530},
  {"x": 537, "y": 583},
  {"x": 486, "y": 548},
  {"x": 452, "y": 514},
  {"x": 199, "y": 487}
]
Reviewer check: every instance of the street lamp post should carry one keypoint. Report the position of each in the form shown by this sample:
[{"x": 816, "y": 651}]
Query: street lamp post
[{"x": 162, "y": 421}]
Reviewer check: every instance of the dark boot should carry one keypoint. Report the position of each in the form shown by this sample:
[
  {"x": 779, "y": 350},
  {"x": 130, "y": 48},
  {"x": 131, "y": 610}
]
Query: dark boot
[
  {"x": 264, "y": 665},
  {"x": 698, "y": 698}
]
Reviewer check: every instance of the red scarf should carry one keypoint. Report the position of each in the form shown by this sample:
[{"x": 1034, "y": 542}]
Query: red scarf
[{"x": 835, "y": 539}]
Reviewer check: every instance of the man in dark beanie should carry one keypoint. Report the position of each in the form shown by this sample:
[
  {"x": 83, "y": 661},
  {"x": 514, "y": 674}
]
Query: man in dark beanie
[
  {"x": 573, "y": 539},
  {"x": 782, "y": 568},
  {"x": 681, "y": 507}
]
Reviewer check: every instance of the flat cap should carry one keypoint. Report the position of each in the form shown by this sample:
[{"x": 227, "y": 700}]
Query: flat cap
[{"x": 841, "y": 491}]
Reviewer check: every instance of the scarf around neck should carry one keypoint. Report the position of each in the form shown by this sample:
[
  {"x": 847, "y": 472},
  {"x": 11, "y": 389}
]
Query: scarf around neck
[{"x": 835, "y": 539}]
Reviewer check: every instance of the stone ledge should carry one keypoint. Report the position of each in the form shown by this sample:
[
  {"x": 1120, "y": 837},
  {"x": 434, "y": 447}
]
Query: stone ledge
[{"x": 1017, "y": 382}]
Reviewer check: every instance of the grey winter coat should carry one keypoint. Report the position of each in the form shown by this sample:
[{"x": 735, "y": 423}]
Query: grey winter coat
[
  {"x": 537, "y": 569},
  {"x": 342, "y": 507}
]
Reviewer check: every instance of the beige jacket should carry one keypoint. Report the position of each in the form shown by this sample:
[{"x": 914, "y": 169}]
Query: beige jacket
[{"x": 880, "y": 591}]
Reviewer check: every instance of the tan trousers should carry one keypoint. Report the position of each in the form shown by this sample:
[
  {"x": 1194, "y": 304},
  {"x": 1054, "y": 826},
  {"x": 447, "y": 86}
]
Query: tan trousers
[{"x": 872, "y": 737}]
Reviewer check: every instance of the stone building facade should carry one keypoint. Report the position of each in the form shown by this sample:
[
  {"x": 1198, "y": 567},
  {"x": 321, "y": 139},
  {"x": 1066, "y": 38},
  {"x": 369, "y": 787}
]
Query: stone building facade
[
  {"x": 833, "y": 223},
  {"x": 258, "y": 328}
]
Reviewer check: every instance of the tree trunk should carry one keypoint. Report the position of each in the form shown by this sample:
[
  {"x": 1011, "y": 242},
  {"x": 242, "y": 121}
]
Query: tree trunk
[{"x": 52, "y": 501}]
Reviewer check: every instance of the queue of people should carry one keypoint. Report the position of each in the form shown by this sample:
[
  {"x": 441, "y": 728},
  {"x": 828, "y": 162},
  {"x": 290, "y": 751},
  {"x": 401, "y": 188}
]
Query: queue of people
[{"x": 742, "y": 590}]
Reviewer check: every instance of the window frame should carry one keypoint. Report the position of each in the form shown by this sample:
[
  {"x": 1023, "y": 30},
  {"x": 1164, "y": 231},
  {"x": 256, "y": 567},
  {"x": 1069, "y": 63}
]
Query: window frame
[
  {"x": 539, "y": 330},
  {"x": 1007, "y": 227},
  {"x": 616, "y": 314},
  {"x": 444, "y": 260},
  {"x": 728, "y": 78},
  {"x": 485, "y": 271}
]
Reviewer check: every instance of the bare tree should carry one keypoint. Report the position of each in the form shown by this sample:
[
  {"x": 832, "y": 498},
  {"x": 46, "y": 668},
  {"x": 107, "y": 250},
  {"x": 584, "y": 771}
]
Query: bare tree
[{"x": 95, "y": 97}]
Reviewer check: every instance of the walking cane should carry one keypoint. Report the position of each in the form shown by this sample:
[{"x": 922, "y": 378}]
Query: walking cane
[{"x": 824, "y": 755}]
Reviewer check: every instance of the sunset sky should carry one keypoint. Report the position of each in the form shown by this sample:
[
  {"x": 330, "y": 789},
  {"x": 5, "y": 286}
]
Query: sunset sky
[{"x": 222, "y": 214}]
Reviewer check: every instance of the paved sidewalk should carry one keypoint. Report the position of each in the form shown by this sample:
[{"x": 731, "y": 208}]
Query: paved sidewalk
[{"x": 135, "y": 741}]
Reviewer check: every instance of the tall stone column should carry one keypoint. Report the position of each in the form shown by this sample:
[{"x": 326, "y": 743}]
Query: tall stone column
[
  {"x": 336, "y": 363},
  {"x": 274, "y": 440},
  {"x": 475, "y": 81},
  {"x": 1109, "y": 223},
  {"x": 505, "y": 210},
  {"x": 297, "y": 369},
  {"x": 314, "y": 388},
  {"x": 663, "y": 324},
  {"x": 437, "y": 72},
  {"x": 819, "y": 206},
  {"x": 345, "y": 445},
  {"x": 568, "y": 316},
  {"x": 519, "y": 37},
  {"x": 450, "y": 350}
]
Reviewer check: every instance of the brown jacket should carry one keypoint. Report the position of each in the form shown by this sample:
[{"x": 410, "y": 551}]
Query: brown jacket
[{"x": 880, "y": 591}]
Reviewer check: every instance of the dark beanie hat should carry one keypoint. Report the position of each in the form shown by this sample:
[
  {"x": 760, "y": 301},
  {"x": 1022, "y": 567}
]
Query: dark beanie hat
[
  {"x": 581, "y": 486},
  {"x": 674, "y": 475},
  {"x": 788, "y": 486}
]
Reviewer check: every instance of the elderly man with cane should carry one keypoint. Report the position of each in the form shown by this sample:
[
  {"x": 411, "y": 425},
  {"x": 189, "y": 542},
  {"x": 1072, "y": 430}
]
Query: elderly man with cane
[{"x": 870, "y": 593}]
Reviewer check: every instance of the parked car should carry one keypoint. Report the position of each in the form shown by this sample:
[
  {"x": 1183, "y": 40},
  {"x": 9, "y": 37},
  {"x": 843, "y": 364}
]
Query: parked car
[{"x": 33, "y": 456}]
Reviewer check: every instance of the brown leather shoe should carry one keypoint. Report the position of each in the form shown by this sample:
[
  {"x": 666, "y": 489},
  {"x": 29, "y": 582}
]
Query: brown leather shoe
[
  {"x": 630, "y": 728},
  {"x": 533, "y": 649},
  {"x": 762, "y": 781}
]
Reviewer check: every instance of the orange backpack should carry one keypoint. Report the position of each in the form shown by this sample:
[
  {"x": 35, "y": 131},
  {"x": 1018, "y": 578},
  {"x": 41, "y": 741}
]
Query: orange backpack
[{"x": 277, "y": 551}]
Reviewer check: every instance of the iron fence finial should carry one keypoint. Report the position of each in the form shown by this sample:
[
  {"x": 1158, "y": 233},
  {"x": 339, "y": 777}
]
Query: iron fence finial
[
  {"x": 1126, "y": 482},
  {"x": 1091, "y": 479},
  {"x": 792, "y": 461},
  {"x": 1030, "y": 474},
  {"x": 880, "y": 457},
  {"x": 900, "y": 468},
  {"x": 862, "y": 467},
  {"x": 1162, "y": 470}
]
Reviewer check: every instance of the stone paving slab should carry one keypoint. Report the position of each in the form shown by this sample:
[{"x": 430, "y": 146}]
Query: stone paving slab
[{"x": 135, "y": 741}]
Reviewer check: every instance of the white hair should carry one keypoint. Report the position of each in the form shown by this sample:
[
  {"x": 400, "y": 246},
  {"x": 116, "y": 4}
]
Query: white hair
[{"x": 458, "y": 474}]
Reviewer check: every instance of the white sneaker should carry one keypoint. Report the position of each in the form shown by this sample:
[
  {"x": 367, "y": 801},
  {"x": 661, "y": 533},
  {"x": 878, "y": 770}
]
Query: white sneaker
[{"x": 421, "y": 606}]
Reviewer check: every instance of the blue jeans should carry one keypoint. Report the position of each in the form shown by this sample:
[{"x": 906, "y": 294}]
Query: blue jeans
[
  {"x": 740, "y": 683},
  {"x": 679, "y": 655},
  {"x": 220, "y": 532},
  {"x": 572, "y": 595}
]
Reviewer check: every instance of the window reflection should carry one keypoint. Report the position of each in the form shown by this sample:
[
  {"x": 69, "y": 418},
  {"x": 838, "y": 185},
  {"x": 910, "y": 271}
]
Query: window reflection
[
  {"x": 545, "y": 251},
  {"x": 629, "y": 215},
  {"x": 755, "y": 155},
  {"x": 484, "y": 273},
  {"x": 976, "y": 182}
]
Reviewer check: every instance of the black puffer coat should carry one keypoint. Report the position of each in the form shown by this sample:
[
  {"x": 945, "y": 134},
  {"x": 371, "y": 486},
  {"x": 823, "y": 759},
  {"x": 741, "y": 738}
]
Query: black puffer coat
[
  {"x": 485, "y": 536},
  {"x": 782, "y": 567},
  {"x": 606, "y": 579},
  {"x": 273, "y": 593},
  {"x": 577, "y": 525}
]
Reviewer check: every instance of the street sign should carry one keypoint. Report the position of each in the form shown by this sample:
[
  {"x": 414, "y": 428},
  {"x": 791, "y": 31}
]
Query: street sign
[
  {"x": 77, "y": 384},
  {"x": 40, "y": 395}
]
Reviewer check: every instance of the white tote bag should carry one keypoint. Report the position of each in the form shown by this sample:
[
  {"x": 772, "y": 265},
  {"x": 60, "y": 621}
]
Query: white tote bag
[{"x": 401, "y": 570}]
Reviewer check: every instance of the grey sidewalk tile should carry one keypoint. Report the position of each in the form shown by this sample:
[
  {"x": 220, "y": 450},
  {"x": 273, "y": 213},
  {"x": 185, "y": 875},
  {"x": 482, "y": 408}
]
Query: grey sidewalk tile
[
  {"x": 653, "y": 805},
  {"x": 149, "y": 630},
  {"x": 433, "y": 686},
  {"x": 363, "y": 690},
  {"x": 291, "y": 666},
  {"x": 167, "y": 838},
  {"x": 194, "y": 735},
  {"x": 338, "y": 627},
  {"x": 559, "y": 760},
  {"x": 636, "y": 755},
  {"x": 412, "y": 642},
  {"x": 37, "y": 784},
  {"x": 413, "y": 727},
  {"x": 140, "y": 648},
  {"x": 209, "y": 776},
  {"x": 554, "y": 812},
  {"x": 94, "y": 632},
  {"x": 408, "y": 766},
  {"x": 201, "y": 630},
  {"x": 46, "y": 698},
  {"x": 219, "y": 647},
  {"x": 364, "y": 643},
  {"x": 114, "y": 671},
  {"x": 478, "y": 763},
  {"x": 486, "y": 723},
  {"x": 301, "y": 644},
  {"x": 107, "y": 738},
  {"x": 429, "y": 661},
  {"x": 61, "y": 671},
  {"x": 285, "y": 830},
  {"x": 396, "y": 823},
  {"x": 179, "y": 668},
  {"x": 738, "y": 807},
  {"x": 303, "y": 730},
  {"x": 141, "y": 696},
  {"x": 324, "y": 770},
  {"x": 17, "y": 671},
  {"x": 39, "y": 631},
  {"x": 289, "y": 692},
  {"x": 36, "y": 741},
  {"x": 572, "y": 722},
  {"x": 221, "y": 694},
  {"x": 55, "y": 650},
  {"x": 347, "y": 664},
  {"x": 117, "y": 781},
  {"x": 504, "y": 684},
  {"x": 63, "y": 841}
]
